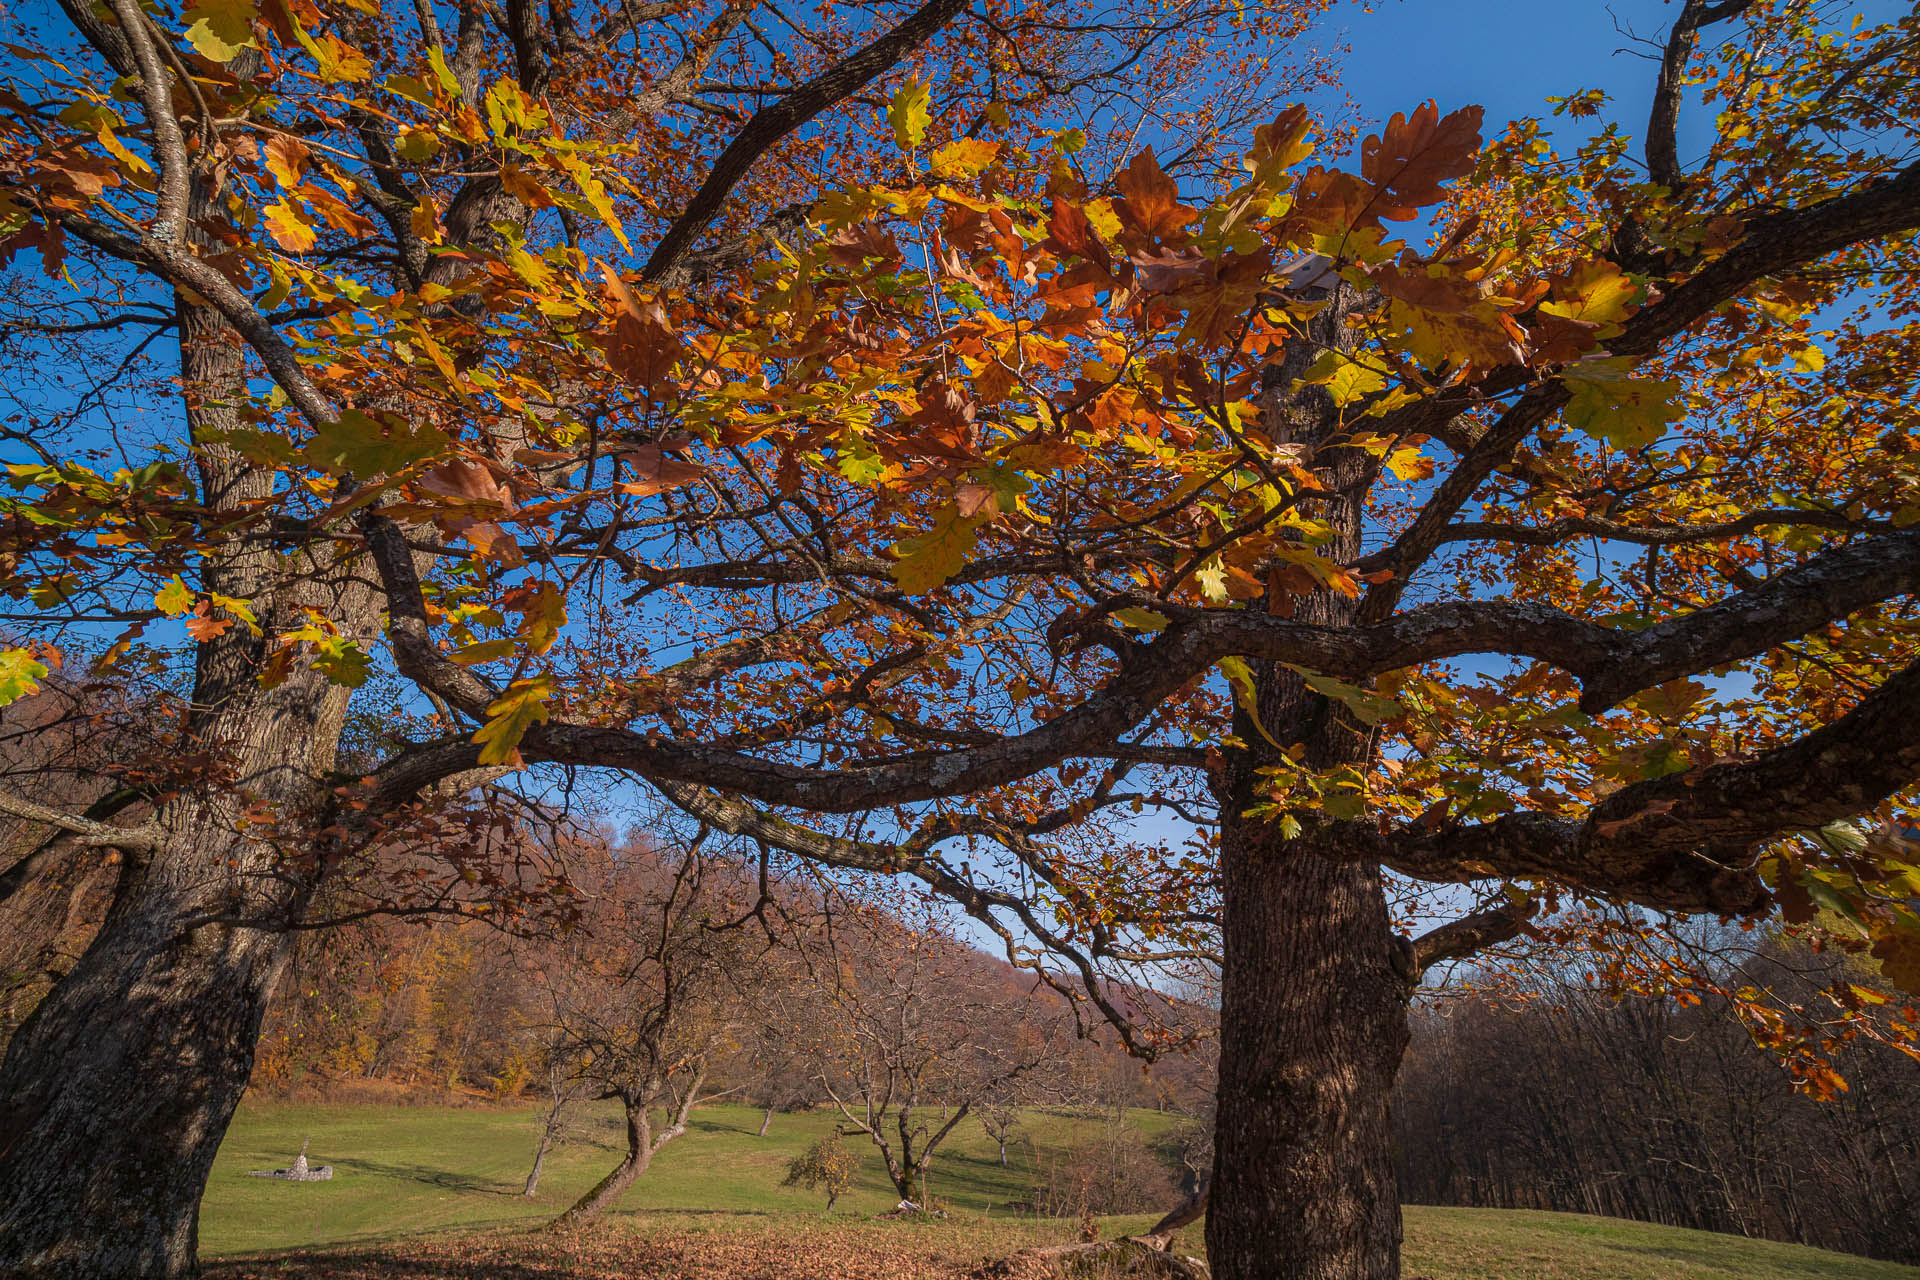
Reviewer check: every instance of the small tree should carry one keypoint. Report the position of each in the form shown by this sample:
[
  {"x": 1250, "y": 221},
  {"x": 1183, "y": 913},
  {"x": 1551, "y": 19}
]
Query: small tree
[
  {"x": 1000, "y": 1119},
  {"x": 644, "y": 1005},
  {"x": 918, "y": 1022},
  {"x": 826, "y": 1166}
]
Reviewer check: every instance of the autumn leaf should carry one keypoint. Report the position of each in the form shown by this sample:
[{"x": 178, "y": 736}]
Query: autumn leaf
[
  {"x": 1141, "y": 619},
  {"x": 219, "y": 29},
  {"x": 643, "y": 346},
  {"x": 361, "y": 445},
  {"x": 1595, "y": 293},
  {"x": 336, "y": 656},
  {"x": 286, "y": 160},
  {"x": 908, "y": 113},
  {"x": 173, "y": 599},
  {"x": 522, "y": 706},
  {"x": 1443, "y": 320},
  {"x": 963, "y": 157},
  {"x": 654, "y": 472},
  {"x": 1245, "y": 693},
  {"x": 1151, "y": 206},
  {"x": 1279, "y": 146},
  {"x": 1367, "y": 707},
  {"x": 203, "y": 626},
  {"x": 20, "y": 675},
  {"x": 1407, "y": 163},
  {"x": 543, "y": 609},
  {"x": 1345, "y": 379},
  {"x": 1608, "y": 404},
  {"x": 927, "y": 560},
  {"x": 287, "y": 228}
]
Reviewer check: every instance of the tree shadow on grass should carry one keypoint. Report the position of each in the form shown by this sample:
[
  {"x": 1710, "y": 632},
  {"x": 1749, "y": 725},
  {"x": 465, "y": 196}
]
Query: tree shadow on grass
[{"x": 444, "y": 1179}]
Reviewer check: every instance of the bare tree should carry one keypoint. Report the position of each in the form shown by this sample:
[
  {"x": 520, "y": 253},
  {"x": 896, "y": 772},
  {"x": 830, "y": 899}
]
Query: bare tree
[
  {"x": 919, "y": 1034},
  {"x": 646, "y": 1001},
  {"x": 1000, "y": 1117}
]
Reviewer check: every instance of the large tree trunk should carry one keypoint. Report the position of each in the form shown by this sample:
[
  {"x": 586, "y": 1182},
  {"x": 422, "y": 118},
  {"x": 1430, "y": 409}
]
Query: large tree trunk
[
  {"x": 1314, "y": 988},
  {"x": 119, "y": 1087},
  {"x": 116, "y": 1091},
  {"x": 1313, "y": 1025}
]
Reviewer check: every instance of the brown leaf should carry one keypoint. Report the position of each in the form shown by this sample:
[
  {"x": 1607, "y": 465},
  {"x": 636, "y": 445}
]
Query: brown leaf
[
  {"x": 1414, "y": 155},
  {"x": 1151, "y": 207},
  {"x": 653, "y": 471}
]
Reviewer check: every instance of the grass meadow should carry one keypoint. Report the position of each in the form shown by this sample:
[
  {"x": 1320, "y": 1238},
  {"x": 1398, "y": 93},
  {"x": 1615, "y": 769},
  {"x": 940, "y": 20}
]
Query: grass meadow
[{"x": 435, "y": 1191}]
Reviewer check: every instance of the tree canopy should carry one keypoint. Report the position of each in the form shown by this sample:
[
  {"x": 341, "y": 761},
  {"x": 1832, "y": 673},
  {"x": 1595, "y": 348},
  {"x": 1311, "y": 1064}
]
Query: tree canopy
[{"x": 1025, "y": 419}]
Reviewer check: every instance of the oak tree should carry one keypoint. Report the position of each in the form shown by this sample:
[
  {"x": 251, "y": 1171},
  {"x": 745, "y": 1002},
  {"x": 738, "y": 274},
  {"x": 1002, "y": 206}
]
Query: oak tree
[
  {"x": 293, "y": 281},
  {"x": 1014, "y": 485}
]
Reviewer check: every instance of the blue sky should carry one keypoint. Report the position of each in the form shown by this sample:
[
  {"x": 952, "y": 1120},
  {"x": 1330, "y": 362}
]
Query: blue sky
[{"x": 1508, "y": 56}]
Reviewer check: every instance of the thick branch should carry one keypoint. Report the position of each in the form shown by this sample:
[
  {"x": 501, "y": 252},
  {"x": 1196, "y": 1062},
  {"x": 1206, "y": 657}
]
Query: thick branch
[
  {"x": 1684, "y": 842},
  {"x": 1470, "y": 934}
]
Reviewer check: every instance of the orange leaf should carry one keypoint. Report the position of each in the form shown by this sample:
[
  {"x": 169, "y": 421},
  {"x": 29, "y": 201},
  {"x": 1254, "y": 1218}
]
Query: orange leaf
[
  {"x": 1152, "y": 202},
  {"x": 1416, "y": 154}
]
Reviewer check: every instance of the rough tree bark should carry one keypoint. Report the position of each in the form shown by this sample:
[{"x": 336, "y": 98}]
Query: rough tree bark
[
  {"x": 116, "y": 1092},
  {"x": 1314, "y": 987}
]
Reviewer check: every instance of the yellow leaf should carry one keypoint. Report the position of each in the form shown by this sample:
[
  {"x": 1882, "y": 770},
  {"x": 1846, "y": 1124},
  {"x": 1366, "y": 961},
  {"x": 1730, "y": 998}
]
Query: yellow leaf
[
  {"x": 173, "y": 599},
  {"x": 931, "y": 558},
  {"x": 287, "y": 229},
  {"x": 1345, "y": 380},
  {"x": 1595, "y": 293},
  {"x": 1141, "y": 619},
  {"x": 964, "y": 157},
  {"x": 1240, "y": 676},
  {"x": 522, "y": 706},
  {"x": 219, "y": 29},
  {"x": 908, "y": 113}
]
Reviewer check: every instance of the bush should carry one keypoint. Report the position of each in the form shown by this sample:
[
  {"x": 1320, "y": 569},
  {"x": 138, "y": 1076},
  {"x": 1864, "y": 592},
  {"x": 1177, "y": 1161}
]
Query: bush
[
  {"x": 1110, "y": 1172},
  {"x": 827, "y": 1166}
]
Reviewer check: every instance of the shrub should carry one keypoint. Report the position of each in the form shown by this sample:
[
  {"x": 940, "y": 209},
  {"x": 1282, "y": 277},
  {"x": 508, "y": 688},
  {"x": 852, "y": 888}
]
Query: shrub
[
  {"x": 1112, "y": 1171},
  {"x": 827, "y": 1166}
]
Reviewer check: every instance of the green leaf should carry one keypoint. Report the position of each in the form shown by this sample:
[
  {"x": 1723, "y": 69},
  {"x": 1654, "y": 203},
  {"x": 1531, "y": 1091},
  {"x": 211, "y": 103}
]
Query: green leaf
[
  {"x": 443, "y": 73},
  {"x": 926, "y": 560},
  {"x": 1367, "y": 707},
  {"x": 522, "y": 706},
  {"x": 341, "y": 661},
  {"x": 909, "y": 113},
  {"x": 361, "y": 445},
  {"x": 1610, "y": 405},
  {"x": 20, "y": 675}
]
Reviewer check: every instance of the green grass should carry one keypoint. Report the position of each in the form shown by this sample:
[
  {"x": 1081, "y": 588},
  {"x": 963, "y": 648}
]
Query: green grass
[
  {"x": 1492, "y": 1244},
  {"x": 399, "y": 1170},
  {"x": 426, "y": 1181}
]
